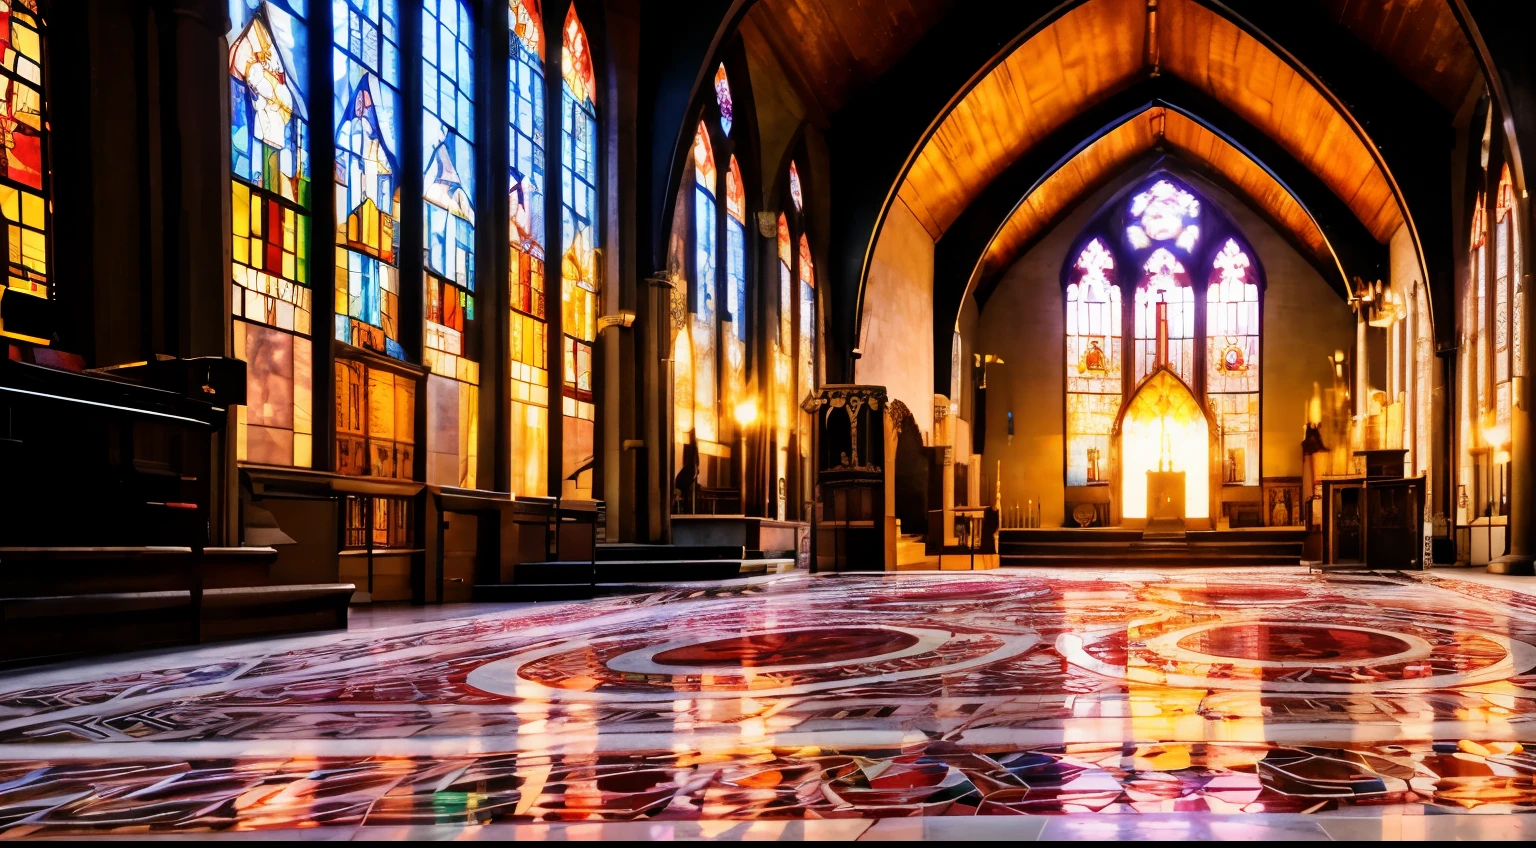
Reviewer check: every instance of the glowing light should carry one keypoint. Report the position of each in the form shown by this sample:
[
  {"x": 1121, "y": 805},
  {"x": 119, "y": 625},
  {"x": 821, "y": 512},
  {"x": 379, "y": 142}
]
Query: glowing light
[
  {"x": 746, "y": 413},
  {"x": 1164, "y": 423}
]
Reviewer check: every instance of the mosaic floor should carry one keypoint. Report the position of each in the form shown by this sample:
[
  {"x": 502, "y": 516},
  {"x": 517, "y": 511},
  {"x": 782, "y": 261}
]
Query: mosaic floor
[{"x": 799, "y": 699}]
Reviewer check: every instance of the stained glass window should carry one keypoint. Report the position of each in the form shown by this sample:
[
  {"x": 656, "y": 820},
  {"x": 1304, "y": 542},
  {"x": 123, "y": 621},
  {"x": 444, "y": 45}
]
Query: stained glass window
[
  {"x": 579, "y": 238},
  {"x": 808, "y": 340},
  {"x": 735, "y": 285},
  {"x": 1164, "y": 212},
  {"x": 1165, "y": 318},
  {"x": 794, "y": 188},
  {"x": 723, "y": 98},
  {"x": 271, "y": 298},
  {"x": 1479, "y": 333},
  {"x": 24, "y": 166},
  {"x": 528, "y": 423},
  {"x": 783, "y": 370},
  {"x": 375, "y": 421},
  {"x": 1232, "y": 362},
  {"x": 1094, "y": 382},
  {"x": 448, "y": 97},
  {"x": 705, "y": 409},
  {"x": 1507, "y": 311},
  {"x": 366, "y": 94}
]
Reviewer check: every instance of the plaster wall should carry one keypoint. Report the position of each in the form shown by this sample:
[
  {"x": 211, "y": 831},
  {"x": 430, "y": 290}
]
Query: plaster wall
[{"x": 897, "y": 331}]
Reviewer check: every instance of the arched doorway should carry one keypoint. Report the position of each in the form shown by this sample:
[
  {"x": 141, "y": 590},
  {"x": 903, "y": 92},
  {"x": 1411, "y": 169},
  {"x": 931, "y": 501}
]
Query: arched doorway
[{"x": 1163, "y": 429}]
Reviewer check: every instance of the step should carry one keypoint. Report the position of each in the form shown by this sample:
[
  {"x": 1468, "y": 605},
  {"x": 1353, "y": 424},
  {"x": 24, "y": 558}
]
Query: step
[{"x": 667, "y": 553}]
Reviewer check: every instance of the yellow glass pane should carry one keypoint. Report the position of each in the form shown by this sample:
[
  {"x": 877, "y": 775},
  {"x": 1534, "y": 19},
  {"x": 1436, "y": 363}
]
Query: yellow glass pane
[
  {"x": 26, "y": 42},
  {"x": 32, "y": 209},
  {"x": 10, "y": 203}
]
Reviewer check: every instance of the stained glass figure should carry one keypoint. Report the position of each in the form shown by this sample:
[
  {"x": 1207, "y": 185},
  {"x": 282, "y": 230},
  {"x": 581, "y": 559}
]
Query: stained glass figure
[
  {"x": 367, "y": 113},
  {"x": 1094, "y": 383},
  {"x": 451, "y": 348},
  {"x": 1232, "y": 362},
  {"x": 271, "y": 298},
  {"x": 723, "y": 98},
  {"x": 794, "y": 188},
  {"x": 579, "y": 238},
  {"x": 1165, "y": 318},
  {"x": 24, "y": 167},
  {"x": 528, "y": 423},
  {"x": 705, "y": 409}
]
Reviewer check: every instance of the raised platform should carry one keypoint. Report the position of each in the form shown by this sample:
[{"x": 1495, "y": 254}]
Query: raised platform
[
  {"x": 1117, "y": 546},
  {"x": 622, "y": 568}
]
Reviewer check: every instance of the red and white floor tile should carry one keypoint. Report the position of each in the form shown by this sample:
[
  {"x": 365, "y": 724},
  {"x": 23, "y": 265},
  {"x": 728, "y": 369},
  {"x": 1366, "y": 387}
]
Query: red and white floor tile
[{"x": 1021, "y": 704}]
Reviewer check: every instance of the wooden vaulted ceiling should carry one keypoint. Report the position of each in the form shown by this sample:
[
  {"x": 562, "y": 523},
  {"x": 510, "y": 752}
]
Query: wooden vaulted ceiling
[
  {"x": 1156, "y": 127},
  {"x": 1102, "y": 46},
  {"x": 833, "y": 49},
  {"x": 1421, "y": 38}
]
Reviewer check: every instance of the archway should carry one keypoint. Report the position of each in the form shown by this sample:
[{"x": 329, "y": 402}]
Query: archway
[{"x": 1163, "y": 427}]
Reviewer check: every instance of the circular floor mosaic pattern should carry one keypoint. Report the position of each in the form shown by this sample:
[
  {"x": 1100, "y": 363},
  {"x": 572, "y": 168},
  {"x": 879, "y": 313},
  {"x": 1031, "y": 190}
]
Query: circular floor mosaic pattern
[{"x": 762, "y": 663}]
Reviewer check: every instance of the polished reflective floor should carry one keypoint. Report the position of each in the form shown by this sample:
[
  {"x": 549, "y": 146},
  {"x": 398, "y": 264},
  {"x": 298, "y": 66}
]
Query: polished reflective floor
[{"x": 1209, "y": 703}]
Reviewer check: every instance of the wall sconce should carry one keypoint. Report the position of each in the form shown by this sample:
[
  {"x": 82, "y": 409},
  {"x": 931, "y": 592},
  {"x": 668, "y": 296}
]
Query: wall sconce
[{"x": 625, "y": 318}]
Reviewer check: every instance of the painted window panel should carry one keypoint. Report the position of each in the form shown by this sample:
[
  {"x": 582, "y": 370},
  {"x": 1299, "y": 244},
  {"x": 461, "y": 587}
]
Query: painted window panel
[
  {"x": 579, "y": 237},
  {"x": 367, "y": 135},
  {"x": 25, "y": 171},
  {"x": 375, "y": 421},
  {"x": 1232, "y": 362},
  {"x": 270, "y": 199},
  {"x": 451, "y": 332},
  {"x": 528, "y": 422},
  {"x": 1165, "y": 307},
  {"x": 1093, "y": 361}
]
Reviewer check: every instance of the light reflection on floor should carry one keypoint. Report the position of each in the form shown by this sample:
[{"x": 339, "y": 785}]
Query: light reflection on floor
[{"x": 1277, "y": 691}]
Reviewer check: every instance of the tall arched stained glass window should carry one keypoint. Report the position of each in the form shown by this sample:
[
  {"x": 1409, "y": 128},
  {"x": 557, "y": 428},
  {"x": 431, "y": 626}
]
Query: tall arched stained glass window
[
  {"x": 1506, "y": 297},
  {"x": 24, "y": 167},
  {"x": 735, "y": 285},
  {"x": 1232, "y": 362},
  {"x": 529, "y": 420},
  {"x": 271, "y": 298},
  {"x": 375, "y": 408},
  {"x": 579, "y": 237},
  {"x": 783, "y": 368},
  {"x": 705, "y": 408},
  {"x": 1165, "y": 318},
  {"x": 807, "y": 340},
  {"x": 1094, "y": 383},
  {"x": 452, "y": 335}
]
